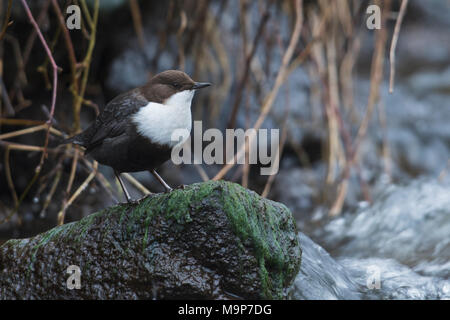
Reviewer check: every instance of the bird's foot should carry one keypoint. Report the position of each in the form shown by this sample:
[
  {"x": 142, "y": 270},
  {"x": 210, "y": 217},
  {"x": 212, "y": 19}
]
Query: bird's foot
[
  {"x": 138, "y": 201},
  {"x": 134, "y": 202},
  {"x": 168, "y": 190}
]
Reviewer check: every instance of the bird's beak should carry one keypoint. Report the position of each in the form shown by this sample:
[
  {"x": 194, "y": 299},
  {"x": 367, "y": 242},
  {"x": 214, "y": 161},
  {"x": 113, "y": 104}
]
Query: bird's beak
[{"x": 199, "y": 85}]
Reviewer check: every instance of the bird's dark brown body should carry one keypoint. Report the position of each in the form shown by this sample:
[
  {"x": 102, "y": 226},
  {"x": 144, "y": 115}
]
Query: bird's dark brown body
[{"x": 131, "y": 153}]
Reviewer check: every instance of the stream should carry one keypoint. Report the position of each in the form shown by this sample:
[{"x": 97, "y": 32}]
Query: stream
[{"x": 402, "y": 241}]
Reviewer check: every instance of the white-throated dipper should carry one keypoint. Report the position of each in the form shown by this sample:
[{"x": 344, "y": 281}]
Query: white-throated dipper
[{"x": 134, "y": 130}]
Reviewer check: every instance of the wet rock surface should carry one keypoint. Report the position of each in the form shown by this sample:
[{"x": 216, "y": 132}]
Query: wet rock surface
[{"x": 210, "y": 240}]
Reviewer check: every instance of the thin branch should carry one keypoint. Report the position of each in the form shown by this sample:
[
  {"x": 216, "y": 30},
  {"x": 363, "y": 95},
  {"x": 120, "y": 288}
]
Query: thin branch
[
  {"x": 9, "y": 108},
  {"x": 9, "y": 178},
  {"x": 376, "y": 76},
  {"x": 102, "y": 180},
  {"x": 201, "y": 172},
  {"x": 21, "y": 147},
  {"x": 49, "y": 196},
  {"x": 22, "y": 132},
  {"x": 28, "y": 47},
  {"x": 20, "y": 122},
  {"x": 181, "y": 29},
  {"x": 72, "y": 171},
  {"x": 81, "y": 188},
  {"x": 86, "y": 13},
  {"x": 136, "y": 183},
  {"x": 278, "y": 155},
  {"x": 55, "y": 80},
  {"x": 398, "y": 24},
  {"x": 69, "y": 45},
  {"x": 244, "y": 79},
  {"x": 86, "y": 62},
  {"x": 30, "y": 130},
  {"x": 7, "y": 22},
  {"x": 137, "y": 22},
  {"x": 21, "y": 76}
]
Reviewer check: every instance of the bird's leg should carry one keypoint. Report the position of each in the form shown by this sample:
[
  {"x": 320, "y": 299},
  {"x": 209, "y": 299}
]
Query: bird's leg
[
  {"x": 165, "y": 185},
  {"x": 127, "y": 195}
]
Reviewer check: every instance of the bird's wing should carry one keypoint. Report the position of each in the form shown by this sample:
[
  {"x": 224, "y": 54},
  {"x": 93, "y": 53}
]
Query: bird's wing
[{"x": 114, "y": 119}]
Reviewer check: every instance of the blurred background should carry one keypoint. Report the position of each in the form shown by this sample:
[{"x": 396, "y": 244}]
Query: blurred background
[{"x": 364, "y": 171}]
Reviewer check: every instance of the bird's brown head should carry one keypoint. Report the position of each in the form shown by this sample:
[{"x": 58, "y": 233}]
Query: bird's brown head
[{"x": 167, "y": 83}]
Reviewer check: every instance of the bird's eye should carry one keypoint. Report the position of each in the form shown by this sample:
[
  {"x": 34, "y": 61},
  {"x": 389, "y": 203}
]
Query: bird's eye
[{"x": 176, "y": 85}]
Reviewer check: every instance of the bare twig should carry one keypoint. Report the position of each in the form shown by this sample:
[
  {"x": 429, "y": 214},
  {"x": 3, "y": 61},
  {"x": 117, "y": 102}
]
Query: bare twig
[
  {"x": 9, "y": 177},
  {"x": 199, "y": 23},
  {"x": 398, "y": 24},
  {"x": 86, "y": 12},
  {"x": 81, "y": 188},
  {"x": 55, "y": 81},
  {"x": 332, "y": 103},
  {"x": 136, "y": 183},
  {"x": 86, "y": 62},
  {"x": 279, "y": 151},
  {"x": 20, "y": 122},
  {"x": 385, "y": 148},
  {"x": 69, "y": 45},
  {"x": 21, "y": 147},
  {"x": 29, "y": 130},
  {"x": 72, "y": 171},
  {"x": 137, "y": 22},
  {"x": 375, "y": 80},
  {"x": 21, "y": 76},
  {"x": 183, "y": 24},
  {"x": 7, "y": 23},
  {"x": 244, "y": 79},
  {"x": 49, "y": 196},
  {"x": 102, "y": 180},
  {"x": 27, "y": 51},
  {"x": 9, "y": 108},
  {"x": 201, "y": 172}
]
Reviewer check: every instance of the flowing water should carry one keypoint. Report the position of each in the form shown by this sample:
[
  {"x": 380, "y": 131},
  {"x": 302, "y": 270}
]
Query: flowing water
[{"x": 398, "y": 248}]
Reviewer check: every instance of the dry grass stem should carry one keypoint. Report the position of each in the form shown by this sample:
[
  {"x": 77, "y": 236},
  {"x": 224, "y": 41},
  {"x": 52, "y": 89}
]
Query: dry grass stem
[{"x": 398, "y": 24}]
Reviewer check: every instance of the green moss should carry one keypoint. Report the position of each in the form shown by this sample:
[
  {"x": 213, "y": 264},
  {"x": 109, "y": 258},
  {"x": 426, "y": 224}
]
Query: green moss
[
  {"x": 260, "y": 224},
  {"x": 85, "y": 224},
  {"x": 15, "y": 243},
  {"x": 47, "y": 236},
  {"x": 175, "y": 206}
]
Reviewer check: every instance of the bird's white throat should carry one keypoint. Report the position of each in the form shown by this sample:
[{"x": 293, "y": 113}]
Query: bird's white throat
[{"x": 158, "y": 121}]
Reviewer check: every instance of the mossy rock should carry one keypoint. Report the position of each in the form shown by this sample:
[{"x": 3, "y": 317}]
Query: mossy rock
[{"x": 212, "y": 240}]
